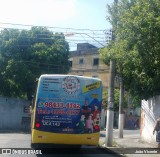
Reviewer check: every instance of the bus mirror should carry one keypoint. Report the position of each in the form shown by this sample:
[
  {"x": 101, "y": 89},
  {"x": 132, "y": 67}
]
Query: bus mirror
[{"x": 30, "y": 109}]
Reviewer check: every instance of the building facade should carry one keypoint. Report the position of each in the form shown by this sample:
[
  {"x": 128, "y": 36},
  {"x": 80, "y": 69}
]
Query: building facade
[{"x": 85, "y": 61}]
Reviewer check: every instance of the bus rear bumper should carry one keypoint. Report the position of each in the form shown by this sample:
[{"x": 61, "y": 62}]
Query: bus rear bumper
[{"x": 48, "y": 138}]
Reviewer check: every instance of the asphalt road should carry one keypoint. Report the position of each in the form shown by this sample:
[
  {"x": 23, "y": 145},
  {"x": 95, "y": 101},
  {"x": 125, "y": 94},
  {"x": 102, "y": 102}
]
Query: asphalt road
[{"x": 20, "y": 141}]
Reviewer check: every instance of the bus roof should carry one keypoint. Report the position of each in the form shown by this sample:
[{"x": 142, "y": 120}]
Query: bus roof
[{"x": 62, "y": 75}]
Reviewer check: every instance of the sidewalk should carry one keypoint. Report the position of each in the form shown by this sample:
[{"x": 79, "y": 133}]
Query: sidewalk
[{"x": 131, "y": 140}]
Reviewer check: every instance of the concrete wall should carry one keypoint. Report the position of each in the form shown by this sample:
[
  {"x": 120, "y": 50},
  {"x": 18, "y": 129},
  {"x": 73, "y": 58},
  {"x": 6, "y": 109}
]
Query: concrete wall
[
  {"x": 149, "y": 113},
  {"x": 14, "y": 114}
]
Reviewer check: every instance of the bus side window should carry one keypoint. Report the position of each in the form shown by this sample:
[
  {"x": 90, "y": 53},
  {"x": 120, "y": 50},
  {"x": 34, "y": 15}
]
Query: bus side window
[
  {"x": 31, "y": 106},
  {"x": 33, "y": 102}
]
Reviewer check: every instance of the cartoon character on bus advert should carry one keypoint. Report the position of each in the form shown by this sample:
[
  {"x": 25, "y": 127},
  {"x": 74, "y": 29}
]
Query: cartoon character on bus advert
[{"x": 90, "y": 117}]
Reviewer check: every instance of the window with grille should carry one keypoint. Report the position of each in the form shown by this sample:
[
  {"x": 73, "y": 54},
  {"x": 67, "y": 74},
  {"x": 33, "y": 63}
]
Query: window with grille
[
  {"x": 95, "y": 61},
  {"x": 70, "y": 63},
  {"x": 81, "y": 61}
]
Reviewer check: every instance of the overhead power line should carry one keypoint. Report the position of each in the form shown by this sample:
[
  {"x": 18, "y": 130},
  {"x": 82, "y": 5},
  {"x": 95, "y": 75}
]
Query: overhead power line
[
  {"x": 97, "y": 35},
  {"x": 27, "y": 25},
  {"x": 102, "y": 37}
]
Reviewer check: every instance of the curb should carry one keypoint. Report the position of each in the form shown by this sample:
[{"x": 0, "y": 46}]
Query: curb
[{"x": 110, "y": 149}]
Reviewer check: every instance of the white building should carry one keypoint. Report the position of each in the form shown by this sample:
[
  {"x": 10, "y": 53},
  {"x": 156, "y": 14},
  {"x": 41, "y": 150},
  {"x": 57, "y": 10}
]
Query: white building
[{"x": 150, "y": 111}]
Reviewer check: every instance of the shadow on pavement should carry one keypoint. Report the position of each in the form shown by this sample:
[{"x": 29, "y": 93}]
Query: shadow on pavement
[{"x": 74, "y": 150}]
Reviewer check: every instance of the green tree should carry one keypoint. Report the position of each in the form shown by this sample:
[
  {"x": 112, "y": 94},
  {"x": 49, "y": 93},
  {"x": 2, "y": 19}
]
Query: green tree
[
  {"x": 26, "y": 54},
  {"x": 116, "y": 99},
  {"x": 136, "y": 47}
]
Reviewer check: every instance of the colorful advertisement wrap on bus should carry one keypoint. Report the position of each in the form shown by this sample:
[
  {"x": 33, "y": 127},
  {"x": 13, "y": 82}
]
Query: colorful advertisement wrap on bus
[{"x": 68, "y": 104}]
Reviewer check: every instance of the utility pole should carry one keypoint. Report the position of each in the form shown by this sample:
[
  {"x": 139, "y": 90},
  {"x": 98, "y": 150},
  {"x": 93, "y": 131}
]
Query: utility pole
[
  {"x": 110, "y": 108},
  {"x": 121, "y": 114},
  {"x": 110, "y": 111}
]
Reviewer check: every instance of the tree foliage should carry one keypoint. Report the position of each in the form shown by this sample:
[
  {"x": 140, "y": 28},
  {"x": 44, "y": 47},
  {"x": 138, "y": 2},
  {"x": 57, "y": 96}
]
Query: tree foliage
[
  {"x": 116, "y": 99},
  {"x": 26, "y": 54},
  {"x": 136, "y": 46}
]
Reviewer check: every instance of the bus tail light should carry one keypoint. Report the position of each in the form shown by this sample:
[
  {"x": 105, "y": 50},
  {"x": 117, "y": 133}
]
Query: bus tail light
[
  {"x": 96, "y": 127},
  {"x": 37, "y": 125}
]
